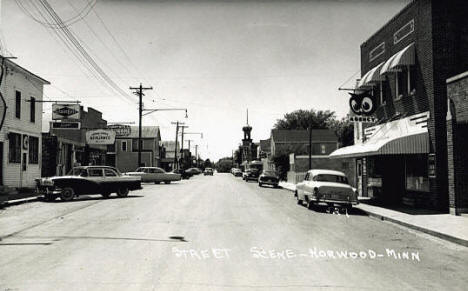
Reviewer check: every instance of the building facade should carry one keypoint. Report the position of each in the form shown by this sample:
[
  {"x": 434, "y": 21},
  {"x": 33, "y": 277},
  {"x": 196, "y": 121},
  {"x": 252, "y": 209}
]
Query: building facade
[
  {"x": 20, "y": 135},
  {"x": 124, "y": 153},
  {"x": 66, "y": 148},
  {"x": 404, "y": 68}
]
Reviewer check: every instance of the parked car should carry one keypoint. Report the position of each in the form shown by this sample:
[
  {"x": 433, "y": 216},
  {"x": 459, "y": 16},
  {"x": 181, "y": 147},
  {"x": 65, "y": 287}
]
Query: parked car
[
  {"x": 326, "y": 187},
  {"x": 155, "y": 174},
  {"x": 208, "y": 171},
  {"x": 87, "y": 180},
  {"x": 194, "y": 171},
  {"x": 237, "y": 172},
  {"x": 268, "y": 177},
  {"x": 183, "y": 173},
  {"x": 251, "y": 174}
]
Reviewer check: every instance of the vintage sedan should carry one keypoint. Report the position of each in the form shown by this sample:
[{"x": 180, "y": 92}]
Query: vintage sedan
[
  {"x": 208, "y": 172},
  {"x": 326, "y": 187},
  {"x": 155, "y": 174},
  {"x": 87, "y": 180},
  {"x": 268, "y": 177}
]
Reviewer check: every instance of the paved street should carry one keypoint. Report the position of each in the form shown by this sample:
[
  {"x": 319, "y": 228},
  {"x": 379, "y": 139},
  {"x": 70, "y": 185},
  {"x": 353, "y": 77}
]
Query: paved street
[{"x": 215, "y": 233}]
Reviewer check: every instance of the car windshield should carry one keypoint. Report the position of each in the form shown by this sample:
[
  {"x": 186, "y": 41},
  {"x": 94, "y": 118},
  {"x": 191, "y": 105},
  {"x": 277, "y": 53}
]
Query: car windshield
[
  {"x": 331, "y": 178},
  {"x": 269, "y": 173}
]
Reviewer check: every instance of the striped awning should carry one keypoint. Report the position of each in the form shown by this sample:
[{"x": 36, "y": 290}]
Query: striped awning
[
  {"x": 405, "y": 57},
  {"x": 405, "y": 145},
  {"x": 405, "y": 136},
  {"x": 371, "y": 77}
]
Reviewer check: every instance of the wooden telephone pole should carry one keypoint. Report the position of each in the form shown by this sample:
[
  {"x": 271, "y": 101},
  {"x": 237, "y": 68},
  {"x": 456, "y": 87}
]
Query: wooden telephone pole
[{"x": 139, "y": 92}]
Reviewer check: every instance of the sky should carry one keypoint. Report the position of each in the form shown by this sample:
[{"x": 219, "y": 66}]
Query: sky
[{"x": 215, "y": 58}]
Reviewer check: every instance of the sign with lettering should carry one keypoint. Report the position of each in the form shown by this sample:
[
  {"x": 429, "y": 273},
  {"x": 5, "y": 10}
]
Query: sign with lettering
[
  {"x": 120, "y": 129},
  {"x": 65, "y": 125},
  {"x": 100, "y": 137},
  {"x": 65, "y": 111},
  {"x": 403, "y": 32}
]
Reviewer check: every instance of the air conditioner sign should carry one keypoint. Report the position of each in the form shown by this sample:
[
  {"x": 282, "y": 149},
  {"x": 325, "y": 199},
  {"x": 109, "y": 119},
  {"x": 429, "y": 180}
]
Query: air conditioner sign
[
  {"x": 65, "y": 111},
  {"x": 100, "y": 137}
]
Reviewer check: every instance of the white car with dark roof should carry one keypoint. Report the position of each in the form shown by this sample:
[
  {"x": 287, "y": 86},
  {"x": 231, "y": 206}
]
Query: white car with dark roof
[{"x": 326, "y": 187}]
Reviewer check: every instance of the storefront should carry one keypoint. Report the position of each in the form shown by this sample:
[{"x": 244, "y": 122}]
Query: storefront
[{"x": 393, "y": 163}]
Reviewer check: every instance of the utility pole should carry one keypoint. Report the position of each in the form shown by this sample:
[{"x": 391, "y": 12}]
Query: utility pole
[
  {"x": 310, "y": 147},
  {"x": 176, "y": 164},
  {"x": 139, "y": 92},
  {"x": 196, "y": 155}
]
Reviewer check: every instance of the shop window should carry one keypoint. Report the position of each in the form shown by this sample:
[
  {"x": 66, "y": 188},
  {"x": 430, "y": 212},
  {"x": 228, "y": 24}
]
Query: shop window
[
  {"x": 33, "y": 150},
  {"x": 14, "y": 142},
  {"x": 18, "y": 104},
  {"x": 417, "y": 174},
  {"x": 32, "y": 111},
  {"x": 405, "y": 82}
]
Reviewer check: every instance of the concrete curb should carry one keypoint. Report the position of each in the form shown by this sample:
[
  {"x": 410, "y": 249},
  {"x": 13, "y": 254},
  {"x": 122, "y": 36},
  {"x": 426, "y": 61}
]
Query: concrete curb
[
  {"x": 417, "y": 228},
  {"x": 411, "y": 226},
  {"x": 7, "y": 203}
]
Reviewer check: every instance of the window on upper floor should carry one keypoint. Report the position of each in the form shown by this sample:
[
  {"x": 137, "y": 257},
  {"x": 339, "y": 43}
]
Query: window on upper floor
[
  {"x": 33, "y": 150},
  {"x": 405, "y": 82},
  {"x": 18, "y": 104},
  {"x": 32, "y": 110},
  {"x": 124, "y": 145}
]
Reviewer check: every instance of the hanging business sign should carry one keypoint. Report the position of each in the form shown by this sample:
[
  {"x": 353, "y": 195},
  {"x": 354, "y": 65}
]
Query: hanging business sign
[
  {"x": 65, "y": 111},
  {"x": 120, "y": 129},
  {"x": 65, "y": 125},
  {"x": 100, "y": 137}
]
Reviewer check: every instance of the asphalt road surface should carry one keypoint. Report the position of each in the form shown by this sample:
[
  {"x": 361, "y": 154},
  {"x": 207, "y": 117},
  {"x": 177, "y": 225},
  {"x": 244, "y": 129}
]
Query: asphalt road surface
[{"x": 215, "y": 233}]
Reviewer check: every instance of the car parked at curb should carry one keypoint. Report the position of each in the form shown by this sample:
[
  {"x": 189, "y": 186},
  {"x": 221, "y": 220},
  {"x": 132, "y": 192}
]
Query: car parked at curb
[
  {"x": 268, "y": 177},
  {"x": 237, "y": 172},
  {"x": 326, "y": 187},
  {"x": 155, "y": 174},
  {"x": 87, "y": 180}
]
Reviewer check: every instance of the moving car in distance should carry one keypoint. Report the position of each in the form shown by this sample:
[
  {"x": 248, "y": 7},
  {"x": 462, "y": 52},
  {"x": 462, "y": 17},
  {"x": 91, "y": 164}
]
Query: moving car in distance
[
  {"x": 208, "y": 171},
  {"x": 326, "y": 187},
  {"x": 155, "y": 174},
  {"x": 268, "y": 177},
  {"x": 87, "y": 180},
  {"x": 183, "y": 173}
]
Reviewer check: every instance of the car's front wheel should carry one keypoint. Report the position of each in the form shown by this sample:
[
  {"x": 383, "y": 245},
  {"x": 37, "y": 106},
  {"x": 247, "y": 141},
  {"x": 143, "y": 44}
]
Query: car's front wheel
[
  {"x": 122, "y": 192},
  {"x": 67, "y": 194}
]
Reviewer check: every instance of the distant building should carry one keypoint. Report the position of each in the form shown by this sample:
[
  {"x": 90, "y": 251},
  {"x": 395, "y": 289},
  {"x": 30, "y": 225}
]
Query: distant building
[
  {"x": 20, "y": 136},
  {"x": 283, "y": 141},
  {"x": 66, "y": 148},
  {"x": 126, "y": 149},
  {"x": 168, "y": 153}
]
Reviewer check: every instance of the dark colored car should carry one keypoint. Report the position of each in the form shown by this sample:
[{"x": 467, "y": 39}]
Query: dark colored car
[
  {"x": 87, "y": 180},
  {"x": 184, "y": 174},
  {"x": 208, "y": 171},
  {"x": 268, "y": 177},
  {"x": 194, "y": 171},
  {"x": 251, "y": 174}
]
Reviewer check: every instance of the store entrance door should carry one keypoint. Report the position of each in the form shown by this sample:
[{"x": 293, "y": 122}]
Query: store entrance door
[{"x": 394, "y": 180}]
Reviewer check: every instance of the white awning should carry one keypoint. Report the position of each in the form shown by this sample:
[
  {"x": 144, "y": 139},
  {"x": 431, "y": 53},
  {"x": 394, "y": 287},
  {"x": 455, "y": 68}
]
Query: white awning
[
  {"x": 405, "y": 136},
  {"x": 371, "y": 77},
  {"x": 405, "y": 57}
]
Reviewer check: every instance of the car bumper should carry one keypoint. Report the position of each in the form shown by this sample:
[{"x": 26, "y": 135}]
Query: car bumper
[{"x": 335, "y": 202}]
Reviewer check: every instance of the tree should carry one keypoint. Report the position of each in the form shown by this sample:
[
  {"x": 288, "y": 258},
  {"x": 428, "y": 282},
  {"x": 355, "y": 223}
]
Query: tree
[
  {"x": 344, "y": 129},
  {"x": 224, "y": 165},
  {"x": 303, "y": 119}
]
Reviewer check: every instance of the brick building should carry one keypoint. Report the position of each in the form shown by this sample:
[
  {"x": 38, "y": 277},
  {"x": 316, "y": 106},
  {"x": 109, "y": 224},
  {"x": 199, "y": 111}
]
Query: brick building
[
  {"x": 404, "y": 65},
  {"x": 457, "y": 141},
  {"x": 20, "y": 135}
]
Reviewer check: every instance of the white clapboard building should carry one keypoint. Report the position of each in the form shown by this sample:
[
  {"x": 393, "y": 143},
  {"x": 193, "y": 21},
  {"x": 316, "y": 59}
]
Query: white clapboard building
[{"x": 20, "y": 134}]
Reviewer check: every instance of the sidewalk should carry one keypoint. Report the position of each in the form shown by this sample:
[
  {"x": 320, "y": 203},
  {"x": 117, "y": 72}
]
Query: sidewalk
[
  {"x": 445, "y": 226},
  {"x": 11, "y": 196}
]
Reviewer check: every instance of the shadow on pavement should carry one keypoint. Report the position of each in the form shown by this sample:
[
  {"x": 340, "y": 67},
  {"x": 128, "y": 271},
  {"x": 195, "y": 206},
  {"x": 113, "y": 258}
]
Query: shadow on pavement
[
  {"x": 89, "y": 198},
  {"x": 60, "y": 238}
]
